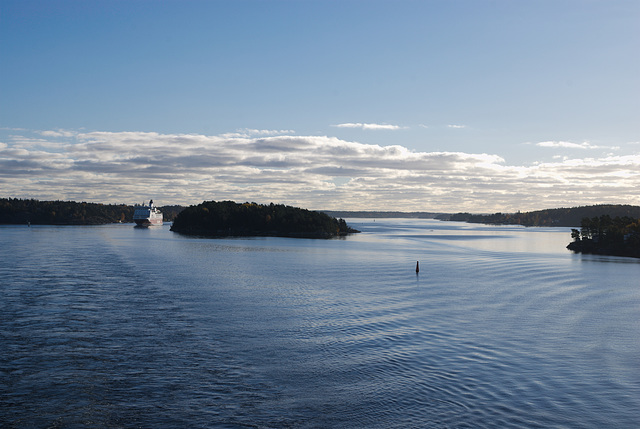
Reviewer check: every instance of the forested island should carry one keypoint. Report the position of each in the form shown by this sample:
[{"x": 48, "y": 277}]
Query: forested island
[
  {"x": 29, "y": 211},
  {"x": 228, "y": 218},
  {"x": 603, "y": 235}
]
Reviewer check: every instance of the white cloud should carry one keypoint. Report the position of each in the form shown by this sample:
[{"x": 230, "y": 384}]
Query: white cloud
[
  {"x": 368, "y": 126},
  {"x": 303, "y": 171},
  {"x": 57, "y": 133},
  {"x": 568, "y": 145},
  {"x": 248, "y": 132},
  {"x": 456, "y": 126}
]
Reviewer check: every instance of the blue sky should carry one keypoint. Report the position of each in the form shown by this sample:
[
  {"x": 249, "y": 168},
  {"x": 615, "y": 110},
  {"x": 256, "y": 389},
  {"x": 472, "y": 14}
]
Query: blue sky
[{"x": 401, "y": 105}]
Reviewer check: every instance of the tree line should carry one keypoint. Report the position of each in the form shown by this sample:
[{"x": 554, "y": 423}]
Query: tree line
[
  {"x": 23, "y": 211},
  {"x": 550, "y": 217},
  {"x": 228, "y": 218},
  {"x": 604, "y": 235}
]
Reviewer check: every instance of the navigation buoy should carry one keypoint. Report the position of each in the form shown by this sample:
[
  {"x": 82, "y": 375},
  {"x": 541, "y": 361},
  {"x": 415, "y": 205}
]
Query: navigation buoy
[{"x": 417, "y": 266}]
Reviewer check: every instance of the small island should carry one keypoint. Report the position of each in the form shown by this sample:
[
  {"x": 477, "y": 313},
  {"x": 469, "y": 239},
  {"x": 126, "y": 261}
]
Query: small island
[
  {"x": 228, "y": 218},
  {"x": 603, "y": 235}
]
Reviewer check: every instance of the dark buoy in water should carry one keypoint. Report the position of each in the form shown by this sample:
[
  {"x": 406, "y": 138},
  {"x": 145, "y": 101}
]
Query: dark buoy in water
[{"x": 417, "y": 266}]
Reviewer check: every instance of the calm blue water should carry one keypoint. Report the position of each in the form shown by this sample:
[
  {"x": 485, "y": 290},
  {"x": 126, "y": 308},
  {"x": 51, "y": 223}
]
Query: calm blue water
[{"x": 113, "y": 326}]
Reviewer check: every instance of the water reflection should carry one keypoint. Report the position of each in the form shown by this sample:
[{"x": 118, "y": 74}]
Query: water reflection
[{"x": 502, "y": 327}]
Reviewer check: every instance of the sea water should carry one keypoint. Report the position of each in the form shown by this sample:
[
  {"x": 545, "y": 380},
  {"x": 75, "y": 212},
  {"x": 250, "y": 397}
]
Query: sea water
[{"x": 114, "y": 326}]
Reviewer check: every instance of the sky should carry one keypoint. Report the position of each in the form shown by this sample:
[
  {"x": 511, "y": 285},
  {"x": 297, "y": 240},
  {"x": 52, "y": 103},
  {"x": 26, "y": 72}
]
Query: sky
[{"x": 431, "y": 105}]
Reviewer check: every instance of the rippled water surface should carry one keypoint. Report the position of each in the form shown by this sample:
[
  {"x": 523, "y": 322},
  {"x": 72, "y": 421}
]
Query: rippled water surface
[{"x": 113, "y": 326}]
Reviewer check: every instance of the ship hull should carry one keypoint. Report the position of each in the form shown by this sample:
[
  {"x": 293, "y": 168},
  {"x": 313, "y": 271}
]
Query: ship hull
[{"x": 148, "y": 222}]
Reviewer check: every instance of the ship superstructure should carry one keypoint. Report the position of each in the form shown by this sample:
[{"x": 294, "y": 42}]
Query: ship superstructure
[{"x": 147, "y": 215}]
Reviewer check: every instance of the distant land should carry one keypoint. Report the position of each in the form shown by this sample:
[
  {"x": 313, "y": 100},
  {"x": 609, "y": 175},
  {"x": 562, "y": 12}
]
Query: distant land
[
  {"x": 21, "y": 211},
  {"x": 566, "y": 217},
  {"x": 228, "y": 218},
  {"x": 18, "y": 211},
  {"x": 604, "y": 229},
  {"x": 384, "y": 214}
]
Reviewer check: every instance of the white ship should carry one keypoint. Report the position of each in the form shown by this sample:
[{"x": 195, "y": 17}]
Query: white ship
[{"x": 147, "y": 215}]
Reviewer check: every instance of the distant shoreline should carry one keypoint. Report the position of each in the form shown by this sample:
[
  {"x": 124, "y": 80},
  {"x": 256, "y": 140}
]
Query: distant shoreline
[
  {"x": 560, "y": 217},
  {"x": 15, "y": 211}
]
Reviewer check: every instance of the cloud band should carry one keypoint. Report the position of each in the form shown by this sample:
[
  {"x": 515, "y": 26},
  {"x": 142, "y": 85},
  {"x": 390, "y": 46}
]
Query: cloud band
[{"x": 309, "y": 171}]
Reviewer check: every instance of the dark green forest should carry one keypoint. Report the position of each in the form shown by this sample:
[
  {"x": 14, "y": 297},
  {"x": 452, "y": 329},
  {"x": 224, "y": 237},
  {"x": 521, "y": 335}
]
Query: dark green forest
[
  {"x": 570, "y": 217},
  {"x": 19, "y": 211},
  {"x": 228, "y": 218},
  {"x": 604, "y": 235}
]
